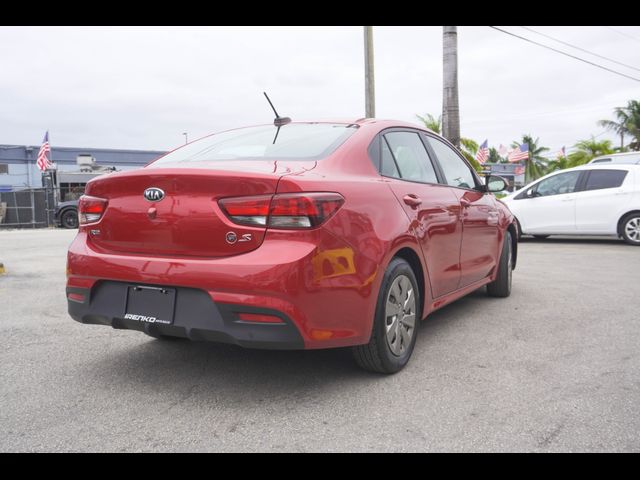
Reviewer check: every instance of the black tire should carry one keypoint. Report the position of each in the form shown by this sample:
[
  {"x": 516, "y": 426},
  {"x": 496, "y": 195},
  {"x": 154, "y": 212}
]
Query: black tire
[
  {"x": 629, "y": 229},
  {"x": 519, "y": 229},
  {"x": 377, "y": 355},
  {"x": 541, "y": 237},
  {"x": 69, "y": 219},
  {"x": 501, "y": 286}
]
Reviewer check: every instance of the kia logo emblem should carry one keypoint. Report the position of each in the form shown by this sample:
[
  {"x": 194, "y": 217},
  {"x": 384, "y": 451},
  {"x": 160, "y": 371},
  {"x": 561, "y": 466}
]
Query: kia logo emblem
[{"x": 153, "y": 194}]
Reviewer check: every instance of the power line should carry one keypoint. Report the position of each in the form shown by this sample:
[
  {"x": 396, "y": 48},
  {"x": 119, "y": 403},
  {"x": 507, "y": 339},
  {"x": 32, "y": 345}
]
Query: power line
[
  {"x": 566, "y": 54},
  {"x": 581, "y": 49},
  {"x": 623, "y": 33}
]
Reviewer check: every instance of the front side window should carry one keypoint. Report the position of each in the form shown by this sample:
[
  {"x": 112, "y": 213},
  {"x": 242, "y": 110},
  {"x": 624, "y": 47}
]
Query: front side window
[
  {"x": 599, "y": 179},
  {"x": 456, "y": 171},
  {"x": 558, "y": 184},
  {"x": 411, "y": 157},
  {"x": 296, "y": 141}
]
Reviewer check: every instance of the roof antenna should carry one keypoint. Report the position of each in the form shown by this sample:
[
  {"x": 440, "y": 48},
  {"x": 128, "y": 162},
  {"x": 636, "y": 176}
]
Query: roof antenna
[{"x": 278, "y": 121}]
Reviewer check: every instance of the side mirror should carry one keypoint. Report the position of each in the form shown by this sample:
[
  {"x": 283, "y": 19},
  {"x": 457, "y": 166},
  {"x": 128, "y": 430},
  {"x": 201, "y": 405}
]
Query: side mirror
[
  {"x": 531, "y": 193},
  {"x": 496, "y": 184}
]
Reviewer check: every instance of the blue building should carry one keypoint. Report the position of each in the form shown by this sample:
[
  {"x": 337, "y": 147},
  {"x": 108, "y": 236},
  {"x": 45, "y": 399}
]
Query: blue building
[{"x": 18, "y": 169}]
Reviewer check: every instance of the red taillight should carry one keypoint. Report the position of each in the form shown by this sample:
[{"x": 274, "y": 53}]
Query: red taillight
[
  {"x": 90, "y": 209},
  {"x": 288, "y": 210},
  {"x": 247, "y": 210}
]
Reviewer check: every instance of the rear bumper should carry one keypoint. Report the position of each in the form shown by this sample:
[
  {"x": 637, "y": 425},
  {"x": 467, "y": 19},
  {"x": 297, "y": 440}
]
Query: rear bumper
[
  {"x": 196, "y": 317},
  {"x": 323, "y": 291}
]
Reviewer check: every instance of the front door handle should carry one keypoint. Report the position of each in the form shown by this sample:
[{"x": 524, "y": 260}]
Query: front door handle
[
  {"x": 464, "y": 202},
  {"x": 412, "y": 200}
]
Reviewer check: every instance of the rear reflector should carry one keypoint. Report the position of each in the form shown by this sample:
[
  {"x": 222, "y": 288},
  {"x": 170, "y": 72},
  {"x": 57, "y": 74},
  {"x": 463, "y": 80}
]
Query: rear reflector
[
  {"x": 258, "y": 318},
  {"x": 289, "y": 210},
  {"x": 91, "y": 209},
  {"x": 76, "y": 297}
]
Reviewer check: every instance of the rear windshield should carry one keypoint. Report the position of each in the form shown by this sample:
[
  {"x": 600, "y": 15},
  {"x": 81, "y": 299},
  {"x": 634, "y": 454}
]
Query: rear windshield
[{"x": 296, "y": 141}]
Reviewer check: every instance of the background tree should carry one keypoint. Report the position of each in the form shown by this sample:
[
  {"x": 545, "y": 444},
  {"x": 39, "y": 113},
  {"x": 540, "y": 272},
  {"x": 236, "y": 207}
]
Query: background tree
[
  {"x": 468, "y": 147},
  {"x": 627, "y": 123},
  {"x": 587, "y": 150},
  {"x": 431, "y": 122},
  {"x": 536, "y": 164},
  {"x": 559, "y": 164},
  {"x": 494, "y": 156}
]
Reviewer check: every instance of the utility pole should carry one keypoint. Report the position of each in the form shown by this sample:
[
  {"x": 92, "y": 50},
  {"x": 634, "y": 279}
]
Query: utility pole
[
  {"x": 369, "y": 83},
  {"x": 450, "y": 104}
]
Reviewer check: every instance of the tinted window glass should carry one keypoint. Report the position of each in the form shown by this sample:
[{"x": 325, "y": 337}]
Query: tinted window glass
[
  {"x": 297, "y": 141},
  {"x": 388, "y": 167},
  {"x": 558, "y": 184},
  {"x": 456, "y": 171},
  {"x": 599, "y": 179},
  {"x": 411, "y": 157}
]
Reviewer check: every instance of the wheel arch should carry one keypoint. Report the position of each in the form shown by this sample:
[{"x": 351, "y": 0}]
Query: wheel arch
[
  {"x": 513, "y": 230},
  {"x": 413, "y": 259},
  {"x": 622, "y": 217}
]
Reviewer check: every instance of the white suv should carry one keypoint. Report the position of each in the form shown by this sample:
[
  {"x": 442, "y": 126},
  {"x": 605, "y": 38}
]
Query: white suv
[{"x": 591, "y": 199}]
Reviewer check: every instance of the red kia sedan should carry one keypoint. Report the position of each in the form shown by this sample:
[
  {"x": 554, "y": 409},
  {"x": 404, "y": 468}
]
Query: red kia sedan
[{"x": 328, "y": 234}]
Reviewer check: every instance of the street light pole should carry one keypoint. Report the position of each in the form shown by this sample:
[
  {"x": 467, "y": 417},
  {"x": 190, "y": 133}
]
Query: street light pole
[{"x": 369, "y": 83}]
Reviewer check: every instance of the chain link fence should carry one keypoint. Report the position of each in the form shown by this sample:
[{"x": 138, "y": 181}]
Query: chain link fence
[{"x": 28, "y": 208}]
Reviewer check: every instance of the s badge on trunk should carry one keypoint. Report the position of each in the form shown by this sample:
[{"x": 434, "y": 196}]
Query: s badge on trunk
[
  {"x": 153, "y": 194},
  {"x": 232, "y": 237}
]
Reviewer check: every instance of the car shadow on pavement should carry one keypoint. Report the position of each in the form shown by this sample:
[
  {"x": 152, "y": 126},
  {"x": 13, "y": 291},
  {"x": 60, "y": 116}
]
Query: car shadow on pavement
[{"x": 178, "y": 366}]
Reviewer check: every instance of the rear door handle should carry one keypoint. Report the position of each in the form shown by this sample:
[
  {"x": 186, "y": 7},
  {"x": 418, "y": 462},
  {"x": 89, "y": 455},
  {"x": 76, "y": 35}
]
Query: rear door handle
[
  {"x": 464, "y": 203},
  {"x": 412, "y": 200}
]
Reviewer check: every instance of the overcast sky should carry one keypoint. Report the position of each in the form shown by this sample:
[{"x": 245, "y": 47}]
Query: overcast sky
[{"x": 140, "y": 88}]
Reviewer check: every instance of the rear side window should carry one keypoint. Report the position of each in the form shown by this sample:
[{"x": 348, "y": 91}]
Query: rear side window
[
  {"x": 388, "y": 167},
  {"x": 411, "y": 157},
  {"x": 599, "y": 179}
]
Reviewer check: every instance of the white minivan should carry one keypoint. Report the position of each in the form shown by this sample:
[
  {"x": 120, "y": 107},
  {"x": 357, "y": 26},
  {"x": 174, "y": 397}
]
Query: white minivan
[{"x": 588, "y": 200}]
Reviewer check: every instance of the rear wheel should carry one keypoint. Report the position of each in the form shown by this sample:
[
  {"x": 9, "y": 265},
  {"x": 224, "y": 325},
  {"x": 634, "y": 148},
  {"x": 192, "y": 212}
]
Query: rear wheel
[
  {"x": 69, "y": 219},
  {"x": 395, "y": 324},
  {"x": 631, "y": 229},
  {"x": 501, "y": 286}
]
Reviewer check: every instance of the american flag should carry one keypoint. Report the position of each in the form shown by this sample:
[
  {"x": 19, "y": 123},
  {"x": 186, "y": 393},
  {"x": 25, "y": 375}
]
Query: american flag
[
  {"x": 561, "y": 153},
  {"x": 483, "y": 152},
  {"x": 520, "y": 153},
  {"x": 43, "y": 155},
  {"x": 502, "y": 151}
]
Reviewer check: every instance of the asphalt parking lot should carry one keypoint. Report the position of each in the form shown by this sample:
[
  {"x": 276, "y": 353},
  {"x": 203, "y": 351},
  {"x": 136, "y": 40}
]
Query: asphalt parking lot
[{"x": 555, "y": 367}]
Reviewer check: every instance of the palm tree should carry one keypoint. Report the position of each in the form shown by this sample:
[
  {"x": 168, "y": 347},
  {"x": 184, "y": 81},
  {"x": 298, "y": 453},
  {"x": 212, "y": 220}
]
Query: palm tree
[
  {"x": 628, "y": 123},
  {"x": 535, "y": 164},
  {"x": 432, "y": 123},
  {"x": 494, "y": 156},
  {"x": 468, "y": 147},
  {"x": 589, "y": 149},
  {"x": 559, "y": 163},
  {"x": 450, "y": 100}
]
